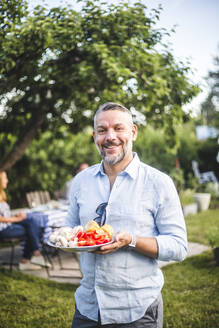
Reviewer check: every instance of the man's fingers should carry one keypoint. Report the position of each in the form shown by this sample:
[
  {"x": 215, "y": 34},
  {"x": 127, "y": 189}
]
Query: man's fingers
[
  {"x": 112, "y": 246},
  {"x": 120, "y": 240}
]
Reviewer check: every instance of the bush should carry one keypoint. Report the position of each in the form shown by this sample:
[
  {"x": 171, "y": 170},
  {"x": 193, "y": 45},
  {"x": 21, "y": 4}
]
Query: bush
[
  {"x": 178, "y": 178},
  {"x": 213, "y": 237},
  {"x": 186, "y": 196},
  {"x": 49, "y": 162},
  {"x": 152, "y": 149},
  {"x": 202, "y": 151}
]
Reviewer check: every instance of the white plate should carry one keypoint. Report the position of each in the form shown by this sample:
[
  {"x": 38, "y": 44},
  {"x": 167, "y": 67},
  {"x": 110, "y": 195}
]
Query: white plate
[{"x": 79, "y": 248}]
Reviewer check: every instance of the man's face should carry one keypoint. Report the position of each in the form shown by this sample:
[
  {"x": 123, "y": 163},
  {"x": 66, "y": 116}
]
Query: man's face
[{"x": 113, "y": 136}]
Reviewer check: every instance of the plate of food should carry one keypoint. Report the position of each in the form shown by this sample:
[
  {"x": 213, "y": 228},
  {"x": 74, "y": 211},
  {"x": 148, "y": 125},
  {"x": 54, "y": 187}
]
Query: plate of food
[
  {"x": 79, "y": 248},
  {"x": 81, "y": 239}
]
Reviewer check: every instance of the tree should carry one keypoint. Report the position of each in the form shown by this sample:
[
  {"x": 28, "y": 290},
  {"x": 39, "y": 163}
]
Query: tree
[
  {"x": 209, "y": 108},
  {"x": 58, "y": 65}
]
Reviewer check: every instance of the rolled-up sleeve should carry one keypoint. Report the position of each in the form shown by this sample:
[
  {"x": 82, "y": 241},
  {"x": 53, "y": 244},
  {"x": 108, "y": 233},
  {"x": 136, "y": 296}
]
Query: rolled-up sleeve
[
  {"x": 172, "y": 236},
  {"x": 72, "y": 218}
]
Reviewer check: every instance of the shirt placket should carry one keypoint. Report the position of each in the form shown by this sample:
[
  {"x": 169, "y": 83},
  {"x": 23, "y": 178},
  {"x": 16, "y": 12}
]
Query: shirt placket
[
  {"x": 111, "y": 195},
  {"x": 104, "y": 187}
]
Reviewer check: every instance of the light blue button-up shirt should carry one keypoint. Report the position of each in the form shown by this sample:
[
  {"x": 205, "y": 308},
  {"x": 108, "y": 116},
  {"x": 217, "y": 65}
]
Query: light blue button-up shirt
[{"x": 143, "y": 201}]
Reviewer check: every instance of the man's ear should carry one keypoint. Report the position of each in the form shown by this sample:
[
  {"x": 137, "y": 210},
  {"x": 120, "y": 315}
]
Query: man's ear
[
  {"x": 94, "y": 135},
  {"x": 134, "y": 132}
]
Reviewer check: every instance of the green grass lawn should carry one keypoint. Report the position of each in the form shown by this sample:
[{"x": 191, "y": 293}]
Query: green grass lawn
[
  {"x": 191, "y": 291},
  {"x": 191, "y": 297},
  {"x": 198, "y": 225},
  {"x": 31, "y": 302}
]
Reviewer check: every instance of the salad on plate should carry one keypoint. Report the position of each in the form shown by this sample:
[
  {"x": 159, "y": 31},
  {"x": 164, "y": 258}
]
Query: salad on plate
[{"x": 79, "y": 238}]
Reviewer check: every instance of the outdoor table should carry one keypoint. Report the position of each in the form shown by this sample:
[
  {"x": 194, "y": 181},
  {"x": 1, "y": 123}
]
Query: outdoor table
[{"x": 49, "y": 218}]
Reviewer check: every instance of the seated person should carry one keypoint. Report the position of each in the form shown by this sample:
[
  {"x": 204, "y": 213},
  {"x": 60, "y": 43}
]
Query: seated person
[
  {"x": 21, "y": 224},
  {"x": 81, "y": 167}
]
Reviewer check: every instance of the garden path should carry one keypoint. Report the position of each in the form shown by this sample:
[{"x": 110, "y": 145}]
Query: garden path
[
  {"x": 72, "y": 274},
  {"x": 193, "y": 249}
]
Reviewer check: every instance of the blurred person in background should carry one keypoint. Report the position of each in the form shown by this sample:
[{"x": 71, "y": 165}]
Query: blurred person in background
[
  {"x": 20, "y": 225},
  {"x": 80, "y": 168}
]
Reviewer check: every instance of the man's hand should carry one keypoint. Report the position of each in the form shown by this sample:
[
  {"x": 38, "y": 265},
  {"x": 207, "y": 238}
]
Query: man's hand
[
  {"x": 121, "y": 239},
  {"x": 144, "y": 245}
]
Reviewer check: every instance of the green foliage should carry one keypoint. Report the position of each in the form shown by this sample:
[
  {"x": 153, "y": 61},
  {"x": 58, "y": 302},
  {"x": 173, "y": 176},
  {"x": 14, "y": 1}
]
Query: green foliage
[
  {"x": 209, "y": 107},
  {"x": 209, "y": 187},
  {"x": 178, "y": 178},
  {"x": 186, "y": 196},
  {"x": 52, "y": 160},
  {"x": 49, "y": 162},
  {"x": 187, "y": 151},
  {"x": 213, "y": 237},
  {"x": 58, "y": 65},
  {"x": 153, "y": 149},
  {"x": 212, "y": 188},
  {"x": 202, "y": 151}
]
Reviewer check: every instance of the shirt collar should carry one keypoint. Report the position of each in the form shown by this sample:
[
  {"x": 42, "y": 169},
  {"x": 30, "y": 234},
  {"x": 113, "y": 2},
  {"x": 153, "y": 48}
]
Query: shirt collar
[
  {"x": 98, "y": 169},
  {"x": 131, "y": 169}
]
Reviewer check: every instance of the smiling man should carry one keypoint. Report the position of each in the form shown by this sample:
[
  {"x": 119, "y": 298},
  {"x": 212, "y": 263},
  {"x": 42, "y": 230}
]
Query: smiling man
[
  {"x": 122, "y": 283},
  {"x": 114, "y": 136}
]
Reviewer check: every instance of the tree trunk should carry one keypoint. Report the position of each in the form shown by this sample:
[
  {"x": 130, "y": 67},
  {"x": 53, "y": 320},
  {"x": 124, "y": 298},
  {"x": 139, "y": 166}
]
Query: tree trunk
[{"x": 23, "y": 142}]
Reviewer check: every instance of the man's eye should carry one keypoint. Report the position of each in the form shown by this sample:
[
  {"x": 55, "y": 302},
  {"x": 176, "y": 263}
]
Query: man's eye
[{"x": 100, "y": 130}]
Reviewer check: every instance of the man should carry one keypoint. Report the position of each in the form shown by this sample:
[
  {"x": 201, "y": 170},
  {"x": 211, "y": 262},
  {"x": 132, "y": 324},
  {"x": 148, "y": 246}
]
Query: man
[{"x": 121, "y": 284}]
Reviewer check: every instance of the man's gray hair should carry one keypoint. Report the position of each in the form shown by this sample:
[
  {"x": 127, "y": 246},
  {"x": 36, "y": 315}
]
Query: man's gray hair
[{"x": 112, "y": 106}]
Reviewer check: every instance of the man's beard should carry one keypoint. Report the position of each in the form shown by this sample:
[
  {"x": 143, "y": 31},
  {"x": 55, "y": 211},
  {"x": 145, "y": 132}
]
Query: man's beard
[{"x": 114, "y": 159}]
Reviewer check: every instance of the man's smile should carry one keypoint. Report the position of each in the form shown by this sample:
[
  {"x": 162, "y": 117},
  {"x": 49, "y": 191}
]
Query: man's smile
[{"x": 110, "y": 146}]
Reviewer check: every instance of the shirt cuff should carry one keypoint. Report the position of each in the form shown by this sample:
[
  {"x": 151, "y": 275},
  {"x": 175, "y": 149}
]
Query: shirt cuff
[{"x": 169, "y": 249}]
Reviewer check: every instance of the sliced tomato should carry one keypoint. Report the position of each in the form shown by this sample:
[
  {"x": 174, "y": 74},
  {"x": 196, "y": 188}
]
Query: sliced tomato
[
  {"x": 91, "y": 242},
  {"x": 82, "y": 243},
  {"x": 107, "y": 240},
  {"x": 91, "y": 233},
  {"x": 100, "y": 241},
  {"x": 96, "y": 236},
  {"x": 79, "y": 234},
  {"x": 84, "y": 236},
  {"x": 93, "y": 238}
]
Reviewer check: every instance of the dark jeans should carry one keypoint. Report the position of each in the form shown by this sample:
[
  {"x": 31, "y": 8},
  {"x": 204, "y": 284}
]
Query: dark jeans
[
  {"x": 153, "y": 318},
  {"x": 27, "y": 228}
]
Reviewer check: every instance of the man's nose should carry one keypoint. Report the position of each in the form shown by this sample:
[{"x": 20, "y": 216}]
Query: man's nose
[{"x": 110, "y": 135}]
